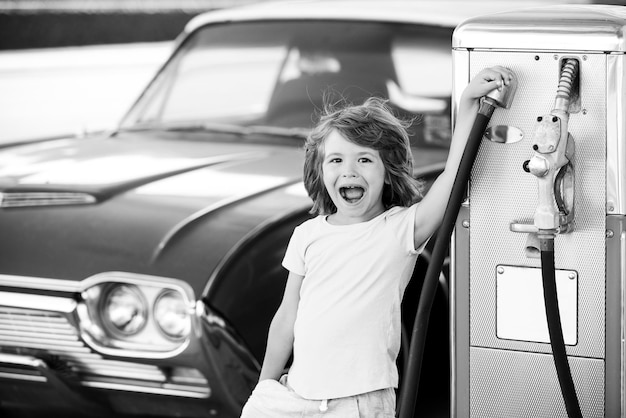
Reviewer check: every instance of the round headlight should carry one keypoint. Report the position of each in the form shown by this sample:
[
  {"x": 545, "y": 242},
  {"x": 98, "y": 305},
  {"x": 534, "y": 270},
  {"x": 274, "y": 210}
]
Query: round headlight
[
  {"x": 172, "y": 315},
  {"x": 124, "y": 310}
]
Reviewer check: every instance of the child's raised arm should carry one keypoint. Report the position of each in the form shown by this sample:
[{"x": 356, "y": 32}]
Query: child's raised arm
[
  {"x": 430, "y": 211},
  {"x": 280, "y": 336}
]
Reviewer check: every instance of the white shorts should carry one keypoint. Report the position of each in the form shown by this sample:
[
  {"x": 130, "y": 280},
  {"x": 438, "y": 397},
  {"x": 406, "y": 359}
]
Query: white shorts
[{"x": 273, "y": 399}]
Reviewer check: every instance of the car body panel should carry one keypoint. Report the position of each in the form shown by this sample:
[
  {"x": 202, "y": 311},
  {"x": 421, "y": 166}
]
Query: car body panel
[{"x": 130, "y": 178}]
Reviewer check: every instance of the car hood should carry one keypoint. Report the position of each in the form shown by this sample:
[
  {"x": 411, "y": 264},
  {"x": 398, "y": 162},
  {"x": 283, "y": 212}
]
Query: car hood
[
  {"x": 170, "y": 204},
  {"x": 105, "y": 166}
]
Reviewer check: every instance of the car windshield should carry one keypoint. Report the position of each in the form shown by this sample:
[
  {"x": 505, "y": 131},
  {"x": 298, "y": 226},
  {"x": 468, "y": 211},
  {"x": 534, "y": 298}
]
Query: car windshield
[{"x": 279, "y": 75}]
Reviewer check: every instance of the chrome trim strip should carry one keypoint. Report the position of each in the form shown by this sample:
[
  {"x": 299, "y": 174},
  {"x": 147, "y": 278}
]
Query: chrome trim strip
[
  {"x": 76, "y": 348},
  {"x": 59, "y": 285},
  {"x": 27, "y": 377},
  {"x": 59, "y": 332},
  {"x": 622, "y": 268},
  {"x": 38, "y": 198},
  {"x": 141, "y": 280},
  {"x": 129, "y": 373},
  {"x": 93, "y": 361},
  {"x": 61, "y": 336},
  {"x": 42, "y": 303},
  {"x": 615, "y": 135},
  {"x": 452, "y": 325},
  {"x": 20, "y": 360},
  {"x": 23, "y": 361},
  {"x": 26, "y": 282},
  {"x": 170, "y": 390},
  {"x": 460, "y": 62}
]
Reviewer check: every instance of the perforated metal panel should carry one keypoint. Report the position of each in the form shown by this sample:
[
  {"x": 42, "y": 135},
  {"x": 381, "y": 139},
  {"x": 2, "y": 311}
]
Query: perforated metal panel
[
  {"x": 524, "y": 385},
  {"x": 501, "y": 193}
]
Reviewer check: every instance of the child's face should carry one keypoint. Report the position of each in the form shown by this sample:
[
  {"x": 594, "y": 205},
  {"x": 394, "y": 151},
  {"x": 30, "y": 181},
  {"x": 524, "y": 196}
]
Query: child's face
[{"x": 354, "y": 177}]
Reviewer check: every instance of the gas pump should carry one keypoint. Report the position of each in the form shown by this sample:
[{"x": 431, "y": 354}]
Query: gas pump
[{"x": 538, "y": 283}]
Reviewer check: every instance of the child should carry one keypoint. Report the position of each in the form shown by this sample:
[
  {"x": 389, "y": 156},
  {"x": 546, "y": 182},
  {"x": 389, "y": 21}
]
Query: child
[{"x": 349, "y": 266}]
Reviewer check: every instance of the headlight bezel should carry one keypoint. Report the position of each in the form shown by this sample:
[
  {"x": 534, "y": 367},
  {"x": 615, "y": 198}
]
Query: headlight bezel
[{"x": 149, "y": 341}]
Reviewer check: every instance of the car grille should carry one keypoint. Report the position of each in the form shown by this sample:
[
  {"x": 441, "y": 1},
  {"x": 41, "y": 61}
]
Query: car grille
[{"x": 51, "y": 336}]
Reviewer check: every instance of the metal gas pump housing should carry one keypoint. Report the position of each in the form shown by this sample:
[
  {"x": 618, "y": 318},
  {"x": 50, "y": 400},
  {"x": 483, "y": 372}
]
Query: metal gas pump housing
[{"x": 501, "y": 359}]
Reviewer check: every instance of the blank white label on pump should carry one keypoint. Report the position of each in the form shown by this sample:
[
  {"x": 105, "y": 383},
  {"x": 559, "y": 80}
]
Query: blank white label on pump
[{"x": 520, "y": 308}]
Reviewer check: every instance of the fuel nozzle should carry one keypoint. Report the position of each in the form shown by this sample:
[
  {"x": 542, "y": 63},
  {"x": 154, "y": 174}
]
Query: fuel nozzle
[
  {"x": 502, "y": 97},
  {"x": 552, "y": 161}
]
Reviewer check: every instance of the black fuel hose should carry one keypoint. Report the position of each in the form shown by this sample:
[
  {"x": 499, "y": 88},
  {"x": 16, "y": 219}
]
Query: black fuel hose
[
  {"x": 555, "y": 330},
  {"x": 410, "y": 381}
]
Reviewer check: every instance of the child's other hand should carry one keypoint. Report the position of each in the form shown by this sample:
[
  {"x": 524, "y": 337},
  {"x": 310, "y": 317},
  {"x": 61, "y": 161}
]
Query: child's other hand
[{"x": 485, "y": 81}]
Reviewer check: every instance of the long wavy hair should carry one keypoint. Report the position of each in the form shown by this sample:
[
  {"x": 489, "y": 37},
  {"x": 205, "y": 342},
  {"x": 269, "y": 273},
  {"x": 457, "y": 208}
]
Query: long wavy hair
[{"x": 371, "y": 124}]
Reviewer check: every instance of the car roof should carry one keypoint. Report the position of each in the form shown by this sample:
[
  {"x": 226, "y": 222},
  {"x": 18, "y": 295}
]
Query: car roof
[{"x": 443, "y": 13}]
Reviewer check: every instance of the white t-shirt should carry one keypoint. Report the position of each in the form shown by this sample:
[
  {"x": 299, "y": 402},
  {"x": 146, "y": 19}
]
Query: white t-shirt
[{"x": 347, "y": 329}]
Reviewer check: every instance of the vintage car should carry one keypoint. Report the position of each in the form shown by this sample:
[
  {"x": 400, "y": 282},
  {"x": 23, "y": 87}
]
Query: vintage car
[{"x": 140, "y": 269}]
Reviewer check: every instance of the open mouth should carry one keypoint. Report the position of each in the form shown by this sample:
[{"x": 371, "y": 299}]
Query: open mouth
[{"x": 351, "y": 194}]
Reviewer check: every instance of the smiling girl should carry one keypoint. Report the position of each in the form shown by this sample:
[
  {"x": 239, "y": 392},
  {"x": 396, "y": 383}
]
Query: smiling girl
[{"x": 349, "y": 266}]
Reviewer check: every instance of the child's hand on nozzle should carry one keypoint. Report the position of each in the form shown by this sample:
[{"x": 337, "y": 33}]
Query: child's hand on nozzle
[{"x": 486, "y": 81}]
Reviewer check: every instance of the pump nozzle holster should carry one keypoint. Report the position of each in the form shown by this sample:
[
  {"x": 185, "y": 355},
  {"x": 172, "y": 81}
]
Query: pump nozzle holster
[{"x": 554, "y": 151}]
